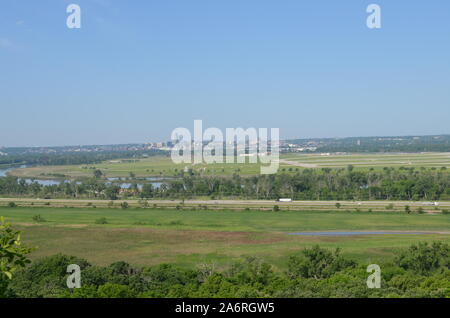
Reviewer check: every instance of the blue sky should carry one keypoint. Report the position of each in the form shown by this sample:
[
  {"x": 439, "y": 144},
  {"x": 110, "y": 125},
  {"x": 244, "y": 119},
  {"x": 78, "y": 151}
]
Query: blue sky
[{"x": 138, "y": 69}]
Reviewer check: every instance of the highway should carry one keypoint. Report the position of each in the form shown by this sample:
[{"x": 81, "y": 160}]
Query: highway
[{"x": 429, "y": 206}]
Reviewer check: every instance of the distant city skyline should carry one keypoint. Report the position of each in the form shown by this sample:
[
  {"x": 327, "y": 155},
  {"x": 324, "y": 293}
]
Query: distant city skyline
[
  {"x": 136, "y": 71},
  {"x": 166, "y": 143}
]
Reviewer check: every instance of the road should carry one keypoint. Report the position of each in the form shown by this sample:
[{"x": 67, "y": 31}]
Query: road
[{"x": 252, "y": 203}]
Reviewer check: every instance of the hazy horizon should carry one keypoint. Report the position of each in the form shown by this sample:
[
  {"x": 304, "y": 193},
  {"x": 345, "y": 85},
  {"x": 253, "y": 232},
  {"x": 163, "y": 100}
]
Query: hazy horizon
[{"x": 150, "y": 140}]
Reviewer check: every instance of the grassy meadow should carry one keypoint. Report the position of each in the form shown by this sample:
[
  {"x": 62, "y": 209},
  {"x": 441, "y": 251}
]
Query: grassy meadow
[
  {"x": 289, "y": 163},
  {"x": 188, "y": 238},
  {"x": 145, "y": 167},
  {"x": 364, "y": 161}
]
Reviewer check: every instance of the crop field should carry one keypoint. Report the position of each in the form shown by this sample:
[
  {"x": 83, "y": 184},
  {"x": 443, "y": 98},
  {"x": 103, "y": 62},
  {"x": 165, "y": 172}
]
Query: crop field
[{"x": 188, "y": 238}]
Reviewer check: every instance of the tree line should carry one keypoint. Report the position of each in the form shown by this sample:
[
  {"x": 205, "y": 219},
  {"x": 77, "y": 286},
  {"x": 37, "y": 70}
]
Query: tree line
[
  {"x": 322, "y": 184},
  {"x": 73, "y": 158},
  {"x": 421, "y": 270},
  {"x": 307, "y": 184}
]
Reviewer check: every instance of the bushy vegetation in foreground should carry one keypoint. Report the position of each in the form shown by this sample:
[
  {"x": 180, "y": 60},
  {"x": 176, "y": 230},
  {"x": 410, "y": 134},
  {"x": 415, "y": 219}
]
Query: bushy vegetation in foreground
[{"x": 420, "y": 271}]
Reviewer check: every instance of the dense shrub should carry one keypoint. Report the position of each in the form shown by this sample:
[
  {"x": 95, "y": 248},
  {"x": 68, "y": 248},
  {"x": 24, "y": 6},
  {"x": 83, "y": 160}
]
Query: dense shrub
[
  {"x": 102, "y": 220},
  {"x": 424, "y": 258},
  {"x": 38, "y": 218},
  {"x": 421, "y": 271},
  {"x": 317, "y": 263}
]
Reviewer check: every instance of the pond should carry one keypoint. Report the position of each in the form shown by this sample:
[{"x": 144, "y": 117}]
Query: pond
[
  {"x": 45, "y": 182},
  {"x": 356, "y": 233},
  {"x": 126, "y": 185}
]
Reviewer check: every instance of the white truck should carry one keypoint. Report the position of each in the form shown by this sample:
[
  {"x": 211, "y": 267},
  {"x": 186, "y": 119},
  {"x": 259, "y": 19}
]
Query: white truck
[{"x": 431, "y": 203}]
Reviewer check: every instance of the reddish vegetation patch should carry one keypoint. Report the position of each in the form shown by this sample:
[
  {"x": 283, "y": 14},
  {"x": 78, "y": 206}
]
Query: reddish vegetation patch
[{"x": 207, "y": 236}]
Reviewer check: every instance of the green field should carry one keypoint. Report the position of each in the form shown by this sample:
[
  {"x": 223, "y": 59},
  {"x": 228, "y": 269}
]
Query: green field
[
  {"x": 429, "y": 160},
  {"x": 146, "y": 167},
  {"x": 163, "y": 166},
  {"x": 188, "y": 238}
]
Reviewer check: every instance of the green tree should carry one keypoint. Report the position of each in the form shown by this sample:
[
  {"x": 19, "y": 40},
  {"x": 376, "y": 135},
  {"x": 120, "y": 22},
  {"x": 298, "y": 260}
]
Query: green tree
[
  {"x": 110, "y": 290},
  {"x": 317, "y": 263},
  {"x": 46, "y": 277},
  {"x": 112, "y": 192},
  {"x": 424, "y": 259},
  {"x": 147, "y": 190},
  {"x": 12, "y": 253},
  {"x": 98, "y": 173}
]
